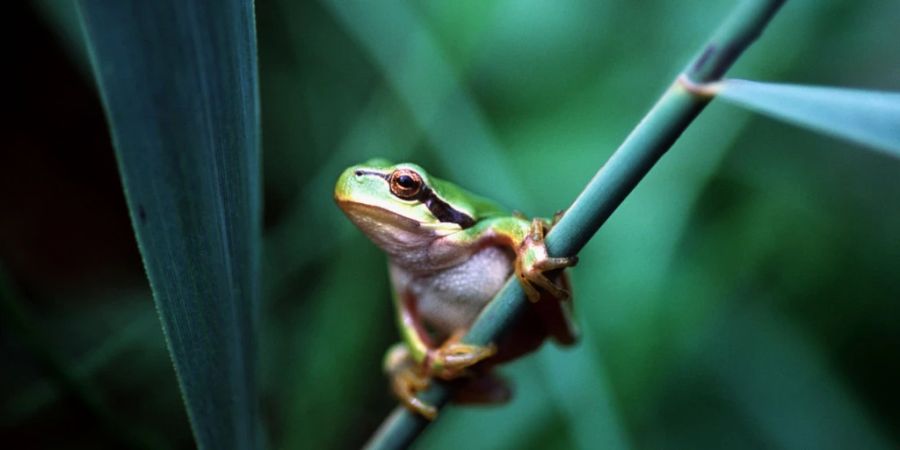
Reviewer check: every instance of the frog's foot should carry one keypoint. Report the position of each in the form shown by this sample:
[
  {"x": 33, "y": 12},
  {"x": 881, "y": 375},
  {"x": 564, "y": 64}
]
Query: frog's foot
[
  {"x": 533, "y": 261},
  {"x": 452, "y": 358},
  {"x": 407, "y": 380}
]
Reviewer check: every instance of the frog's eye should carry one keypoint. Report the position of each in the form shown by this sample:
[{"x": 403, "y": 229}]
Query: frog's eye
[{"x": 405, "y": 183}]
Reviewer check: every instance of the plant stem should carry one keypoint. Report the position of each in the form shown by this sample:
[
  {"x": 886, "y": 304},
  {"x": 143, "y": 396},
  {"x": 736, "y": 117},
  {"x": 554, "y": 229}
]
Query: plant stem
[{"x": 652, "y": 137}]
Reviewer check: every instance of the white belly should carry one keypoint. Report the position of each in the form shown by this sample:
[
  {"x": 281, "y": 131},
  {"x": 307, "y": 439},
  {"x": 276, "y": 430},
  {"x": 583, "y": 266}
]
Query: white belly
[{"x": 451, "y": 299}]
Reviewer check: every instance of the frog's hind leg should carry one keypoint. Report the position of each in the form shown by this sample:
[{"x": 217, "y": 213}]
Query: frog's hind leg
[
  {"x": 447, "y": 360},
  {"x": 407, "y": 380}
]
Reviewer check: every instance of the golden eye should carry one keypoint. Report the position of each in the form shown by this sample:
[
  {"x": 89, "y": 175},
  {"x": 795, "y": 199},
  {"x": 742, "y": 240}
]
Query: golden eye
[{"x": 405, "y": 183}]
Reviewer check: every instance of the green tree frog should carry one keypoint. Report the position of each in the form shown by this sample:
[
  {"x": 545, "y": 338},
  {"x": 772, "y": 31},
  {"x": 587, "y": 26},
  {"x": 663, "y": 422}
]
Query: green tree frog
[{"x": 449, "y": 253}]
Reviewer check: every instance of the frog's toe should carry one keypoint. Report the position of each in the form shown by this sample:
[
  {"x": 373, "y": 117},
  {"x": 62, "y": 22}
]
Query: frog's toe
[
  {"x": 450, "y": 360},
  {"x": 555, "y": 263},
  {"x": 533, "y": 261},
  {"x": 406, "y": 384},
  {"x": 550, "y": 287},
  {"x": 528, "y": 286},
  {"x": 407, "y": 380}
]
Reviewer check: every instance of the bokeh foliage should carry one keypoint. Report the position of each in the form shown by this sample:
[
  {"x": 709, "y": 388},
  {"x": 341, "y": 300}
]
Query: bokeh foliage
[{"x": 743, "y": 296}]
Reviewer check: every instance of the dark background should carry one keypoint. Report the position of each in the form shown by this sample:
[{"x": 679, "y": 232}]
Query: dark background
[{"x": 744, "y": 296}]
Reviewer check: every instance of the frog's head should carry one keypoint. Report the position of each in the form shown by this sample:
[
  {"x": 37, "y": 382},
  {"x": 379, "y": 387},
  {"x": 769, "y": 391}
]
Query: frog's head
[{"x": 400, "y": 206}]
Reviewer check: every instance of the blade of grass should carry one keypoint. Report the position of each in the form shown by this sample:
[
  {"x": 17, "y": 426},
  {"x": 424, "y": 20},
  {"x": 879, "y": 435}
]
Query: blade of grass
[
  {"x": 635, "y": 157},
  {"x": 179, "y": 86},
  {"x": 871, "y": 118}
]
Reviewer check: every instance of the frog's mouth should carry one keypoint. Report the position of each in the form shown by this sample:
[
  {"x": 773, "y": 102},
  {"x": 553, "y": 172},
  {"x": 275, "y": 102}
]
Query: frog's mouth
[
  {"x": 382, "y": 221},
  {"x": 360, "y": 212},
  {"x": 438, "y": 209},
  {"x": 394, "y": 233}
]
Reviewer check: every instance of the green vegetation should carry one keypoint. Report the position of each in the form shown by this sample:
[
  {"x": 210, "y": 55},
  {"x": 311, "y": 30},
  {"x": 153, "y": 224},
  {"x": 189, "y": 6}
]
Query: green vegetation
[
  {"x": 178, "y": 83},
  {"x": 742, "y": 296}
]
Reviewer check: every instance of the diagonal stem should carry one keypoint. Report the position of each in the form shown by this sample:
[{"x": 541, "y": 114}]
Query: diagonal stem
[{"x": 652, "y": 137}]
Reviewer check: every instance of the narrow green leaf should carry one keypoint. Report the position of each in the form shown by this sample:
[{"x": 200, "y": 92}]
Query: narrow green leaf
[
  {"x": 179, "y": 85},
  {"x": 871, "y": 118}
]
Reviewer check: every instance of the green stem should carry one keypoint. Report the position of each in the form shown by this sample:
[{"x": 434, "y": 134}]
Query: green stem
[{"x": 652, "y": 137}]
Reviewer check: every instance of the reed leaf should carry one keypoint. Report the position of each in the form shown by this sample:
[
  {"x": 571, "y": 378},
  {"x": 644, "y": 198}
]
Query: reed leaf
[
  {"x": 870, "y": 118},
  {"x": 179, "y": 86}
]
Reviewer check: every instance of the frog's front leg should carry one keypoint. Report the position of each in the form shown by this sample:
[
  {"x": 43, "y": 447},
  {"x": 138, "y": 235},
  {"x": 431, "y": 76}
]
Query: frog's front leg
[
  {"x": 526, "y": 239},
  {"x": 452, "y": 358},
  {"x": 532, "y": 261}
]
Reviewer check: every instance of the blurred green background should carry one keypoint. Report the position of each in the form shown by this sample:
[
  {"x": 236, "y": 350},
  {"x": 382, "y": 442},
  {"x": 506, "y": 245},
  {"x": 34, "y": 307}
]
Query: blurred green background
[{"x": 744, "y": 296}]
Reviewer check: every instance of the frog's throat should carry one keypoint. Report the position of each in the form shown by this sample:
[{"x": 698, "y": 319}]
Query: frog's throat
[{"x": 393, "y": 232}]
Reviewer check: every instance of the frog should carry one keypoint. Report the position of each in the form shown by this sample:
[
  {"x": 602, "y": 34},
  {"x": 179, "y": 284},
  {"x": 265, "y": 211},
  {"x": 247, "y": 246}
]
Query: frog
[{"x": 449, "y": 252}]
